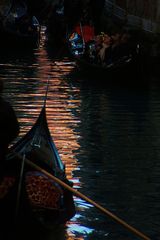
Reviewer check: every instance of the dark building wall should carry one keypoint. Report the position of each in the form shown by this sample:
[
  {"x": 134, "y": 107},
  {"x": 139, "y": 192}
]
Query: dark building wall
[
  {"x": 141, "y": 16},
  {"x": 144, "y": 8},
  {"x": 144, "y": 14}
]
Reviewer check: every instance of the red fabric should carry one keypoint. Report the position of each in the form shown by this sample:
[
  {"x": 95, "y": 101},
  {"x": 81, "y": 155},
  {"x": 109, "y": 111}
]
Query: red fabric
[{"x": 87, "y": 32}]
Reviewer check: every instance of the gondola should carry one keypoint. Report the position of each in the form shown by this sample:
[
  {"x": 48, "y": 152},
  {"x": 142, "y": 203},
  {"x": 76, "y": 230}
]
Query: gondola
[
  {"x": 87, "y": 61},
  {"x": 28, "y": 198},
  {"x": 18, "y": 28},
  {"x": 123, "y": 65}
]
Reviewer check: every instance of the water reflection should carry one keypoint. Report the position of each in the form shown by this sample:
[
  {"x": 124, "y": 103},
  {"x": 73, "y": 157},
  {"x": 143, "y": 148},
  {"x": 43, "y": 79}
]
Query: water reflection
[
  {"x": 108, "y": 137},
  {"x": 25, "y": 87}
]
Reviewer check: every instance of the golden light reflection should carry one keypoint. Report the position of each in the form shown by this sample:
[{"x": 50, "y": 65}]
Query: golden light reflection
[
  {"x": 62, "y": 124},
  {"x": 60, "y": 119},
  {"x": 62, "y": 103}
]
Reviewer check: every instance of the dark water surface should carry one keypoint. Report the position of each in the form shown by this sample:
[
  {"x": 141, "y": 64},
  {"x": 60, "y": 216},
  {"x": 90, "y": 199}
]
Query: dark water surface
[{"x": 107, "y": 135}]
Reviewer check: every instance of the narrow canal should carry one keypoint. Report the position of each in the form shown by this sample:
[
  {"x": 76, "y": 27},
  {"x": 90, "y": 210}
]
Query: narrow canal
[{"x": 107, "y": 135}]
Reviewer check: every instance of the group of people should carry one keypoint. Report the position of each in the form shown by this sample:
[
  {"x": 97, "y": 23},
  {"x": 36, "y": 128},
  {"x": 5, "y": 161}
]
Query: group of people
[
  {"x": 106, "y": 49},
  {"x": 102, "y": 48}
]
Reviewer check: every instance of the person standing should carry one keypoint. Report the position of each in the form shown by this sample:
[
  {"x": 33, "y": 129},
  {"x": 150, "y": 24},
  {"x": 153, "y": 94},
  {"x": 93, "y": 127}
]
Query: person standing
[{"x": 9, "y": 128}]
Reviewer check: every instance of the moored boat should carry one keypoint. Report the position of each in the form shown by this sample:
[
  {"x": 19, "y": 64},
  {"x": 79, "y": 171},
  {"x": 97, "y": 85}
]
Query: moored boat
[{"x": 18, "y": 28}]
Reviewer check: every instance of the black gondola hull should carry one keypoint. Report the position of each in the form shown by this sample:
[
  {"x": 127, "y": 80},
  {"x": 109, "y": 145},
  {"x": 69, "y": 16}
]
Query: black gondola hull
[{"x": 28, "y": 198}]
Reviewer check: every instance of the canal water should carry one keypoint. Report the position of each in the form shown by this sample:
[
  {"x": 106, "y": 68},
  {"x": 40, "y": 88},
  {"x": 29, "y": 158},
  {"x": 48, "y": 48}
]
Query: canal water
[{"x": 108, "y": 136}]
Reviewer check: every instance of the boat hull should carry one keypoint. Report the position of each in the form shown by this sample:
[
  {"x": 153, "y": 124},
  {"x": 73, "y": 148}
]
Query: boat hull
[{"x": 29, "y": 198}]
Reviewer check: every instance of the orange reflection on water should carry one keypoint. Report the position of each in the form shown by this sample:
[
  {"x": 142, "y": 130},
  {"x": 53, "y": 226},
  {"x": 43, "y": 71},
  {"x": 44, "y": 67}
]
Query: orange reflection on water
[
  {"x": 62, "y": 106},
  {"x": 26, "y": 87},
  {"x": 62, "y": 125}
]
